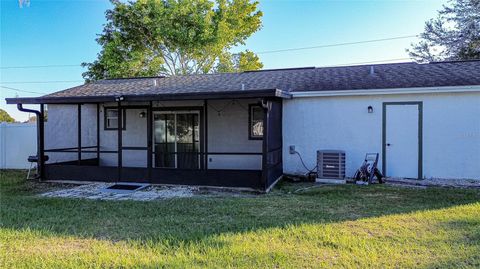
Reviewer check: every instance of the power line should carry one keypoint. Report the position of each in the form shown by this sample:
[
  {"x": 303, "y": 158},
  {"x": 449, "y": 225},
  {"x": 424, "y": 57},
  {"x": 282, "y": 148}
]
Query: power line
[
  {"x": 40, "y": 66},
  {"x": 36, "y": 82},
  {"x": 20, "y": 90},
  {"x": 260, "y": 52},
  {"x": 338, "y": 44}
]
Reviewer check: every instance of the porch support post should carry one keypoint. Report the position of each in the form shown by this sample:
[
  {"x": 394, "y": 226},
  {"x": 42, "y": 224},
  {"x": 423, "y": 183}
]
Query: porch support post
[
  {"x": 272, "y": 142},
  {"x": 98, "y": 133},
  {"x": 149, "y": 141},
  {"x": 264, "y": 104},
  {"x": 41, "y": 141},
  {"x": 79, "y": 131},
  {"x": 205, "y": 147},
  {"x": 119, "y": 136}
]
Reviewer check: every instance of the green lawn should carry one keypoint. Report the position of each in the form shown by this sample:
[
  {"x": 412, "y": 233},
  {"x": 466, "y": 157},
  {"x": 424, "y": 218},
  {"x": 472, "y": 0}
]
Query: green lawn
[{"x": 342, "y": 226}]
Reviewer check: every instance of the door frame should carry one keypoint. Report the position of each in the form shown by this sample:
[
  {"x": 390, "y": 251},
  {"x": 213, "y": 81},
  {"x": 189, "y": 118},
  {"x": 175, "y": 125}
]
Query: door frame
[
  {"x": 420, "y": 134},
  {"x": 195, "y": 109}
]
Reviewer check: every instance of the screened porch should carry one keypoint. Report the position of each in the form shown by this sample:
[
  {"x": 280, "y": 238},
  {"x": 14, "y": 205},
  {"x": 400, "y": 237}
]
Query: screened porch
[{"x": 209, "y": 142}]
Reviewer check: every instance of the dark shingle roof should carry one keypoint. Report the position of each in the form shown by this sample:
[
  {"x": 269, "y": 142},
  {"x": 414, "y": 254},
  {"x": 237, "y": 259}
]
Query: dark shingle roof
[{"x": 380, "y": 76}]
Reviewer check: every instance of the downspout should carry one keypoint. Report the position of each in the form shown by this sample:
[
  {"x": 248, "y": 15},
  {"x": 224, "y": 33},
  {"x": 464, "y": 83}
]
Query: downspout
[
  {"x": 39, "y": 139},
  {"x": 264, "y": 104}
]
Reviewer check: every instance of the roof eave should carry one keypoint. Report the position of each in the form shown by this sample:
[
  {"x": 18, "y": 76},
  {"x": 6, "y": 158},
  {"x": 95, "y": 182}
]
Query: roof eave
[{"x": 152, "y": 97}]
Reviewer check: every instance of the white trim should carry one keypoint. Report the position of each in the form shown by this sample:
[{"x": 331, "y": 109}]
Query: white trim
[{"x": 474, "y": 88}]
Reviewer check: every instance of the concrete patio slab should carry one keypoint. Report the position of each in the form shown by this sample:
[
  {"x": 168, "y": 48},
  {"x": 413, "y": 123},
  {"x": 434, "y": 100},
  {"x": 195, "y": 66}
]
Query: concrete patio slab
[{"x": 99, "y": 191}]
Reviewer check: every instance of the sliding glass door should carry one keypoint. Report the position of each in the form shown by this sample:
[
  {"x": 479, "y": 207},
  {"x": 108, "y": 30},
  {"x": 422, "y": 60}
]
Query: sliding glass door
[{"x": 177, "y": 139}]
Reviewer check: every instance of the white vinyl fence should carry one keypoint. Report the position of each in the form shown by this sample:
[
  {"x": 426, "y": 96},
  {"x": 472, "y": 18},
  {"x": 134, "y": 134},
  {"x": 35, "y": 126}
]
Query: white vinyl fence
[{"x": 17, "y": 142}]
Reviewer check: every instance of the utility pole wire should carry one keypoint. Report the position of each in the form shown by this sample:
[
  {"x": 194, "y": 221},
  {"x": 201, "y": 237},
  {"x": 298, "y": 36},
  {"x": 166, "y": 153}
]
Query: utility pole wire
[
  {"x": 36, "y": 82},
  {"x": 338, "y": 44},
  {"x": 20, "y": 90},
  {"x": 40, "y": 66},
  {"x": 260, "y": 52}
]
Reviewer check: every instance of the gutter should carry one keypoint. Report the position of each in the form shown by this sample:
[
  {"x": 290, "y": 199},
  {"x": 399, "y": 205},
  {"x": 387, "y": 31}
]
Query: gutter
[
  {"x": 257, "y": 93},
  {"x": 388, "y": 91},
  {"x": 40, "y": 146}
]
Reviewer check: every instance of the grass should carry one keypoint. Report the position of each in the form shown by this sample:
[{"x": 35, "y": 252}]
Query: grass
[{"x": 293, "y": 226}]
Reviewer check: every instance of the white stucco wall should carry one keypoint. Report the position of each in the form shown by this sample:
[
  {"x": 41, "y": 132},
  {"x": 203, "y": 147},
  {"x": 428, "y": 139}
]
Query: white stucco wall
[
  {"x": 451, "y": 131},
  {"x": 61, "y": 130},
  {"x": 227, "y": 132},
  {"x": 134, "y": 135}
]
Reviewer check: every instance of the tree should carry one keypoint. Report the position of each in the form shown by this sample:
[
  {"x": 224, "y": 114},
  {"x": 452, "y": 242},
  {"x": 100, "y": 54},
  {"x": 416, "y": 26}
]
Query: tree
[
  {"x": 5, "y": 117},
  {"x": 242, "y": 61},
  {"x": 175, "y": 37},
  {"x": 453, "y": 35}
]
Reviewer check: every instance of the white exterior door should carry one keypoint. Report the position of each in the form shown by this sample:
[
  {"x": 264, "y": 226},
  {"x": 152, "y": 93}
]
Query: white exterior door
[{"x": 402, "y": 140}]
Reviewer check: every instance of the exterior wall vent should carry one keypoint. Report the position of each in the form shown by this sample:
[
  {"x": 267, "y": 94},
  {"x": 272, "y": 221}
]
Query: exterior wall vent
[{"x": 331, "y": 166}]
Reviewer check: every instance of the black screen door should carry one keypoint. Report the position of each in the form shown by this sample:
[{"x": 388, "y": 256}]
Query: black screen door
[{"x": 177, "y": 139}]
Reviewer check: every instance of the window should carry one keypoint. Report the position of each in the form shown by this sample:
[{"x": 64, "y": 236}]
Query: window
[
  {"x": 111, "y": 118},
  {"x": 255, "y": 123}
]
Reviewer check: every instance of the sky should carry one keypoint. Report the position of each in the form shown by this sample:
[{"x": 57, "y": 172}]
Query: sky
[{"x": 64, "y": 32}]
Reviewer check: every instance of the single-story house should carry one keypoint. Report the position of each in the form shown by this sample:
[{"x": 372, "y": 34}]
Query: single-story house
[{"x": 248, "y": 129}]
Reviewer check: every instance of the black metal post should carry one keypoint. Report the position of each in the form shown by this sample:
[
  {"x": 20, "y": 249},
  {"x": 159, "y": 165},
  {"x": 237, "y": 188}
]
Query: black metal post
[
  {"x": 149, "y": 141},
  {"x": 205, "y": 158},
  {"x": 98, "y": 133},
  {"x": 119, "y": 143},
  {"x": 41, "y": 138},
  {"x": 265, "y": 141},
  {"x": 79, "y": 127}
]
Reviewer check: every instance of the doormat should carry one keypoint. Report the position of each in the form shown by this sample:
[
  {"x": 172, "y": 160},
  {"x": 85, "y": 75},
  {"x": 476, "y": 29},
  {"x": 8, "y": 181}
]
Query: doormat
[{"x": 124, "y": 187}]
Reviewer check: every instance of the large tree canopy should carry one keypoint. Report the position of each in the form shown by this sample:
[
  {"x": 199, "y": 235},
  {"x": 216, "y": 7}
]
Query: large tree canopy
[
  {"x": 172, "y": 37},
  {"x": 453, "y": 35}
]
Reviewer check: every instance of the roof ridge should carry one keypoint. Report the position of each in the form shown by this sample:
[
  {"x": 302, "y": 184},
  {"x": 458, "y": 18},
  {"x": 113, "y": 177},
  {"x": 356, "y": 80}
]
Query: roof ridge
[
  {"x": 291, "y": 69},
  {"x": 455, "y": 61},
  {"x": 133, "y": 78}
]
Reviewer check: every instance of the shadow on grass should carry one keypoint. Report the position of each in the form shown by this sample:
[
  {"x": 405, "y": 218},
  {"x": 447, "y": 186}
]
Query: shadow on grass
[{"x": 179, "y": 221}]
